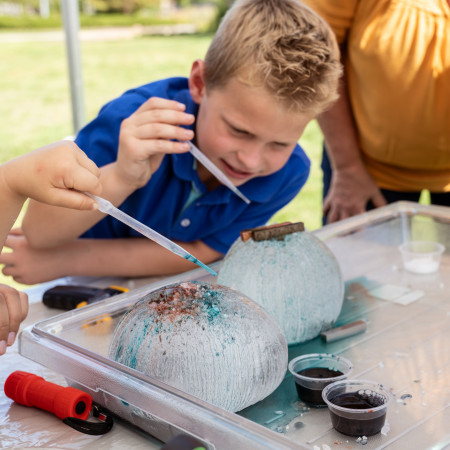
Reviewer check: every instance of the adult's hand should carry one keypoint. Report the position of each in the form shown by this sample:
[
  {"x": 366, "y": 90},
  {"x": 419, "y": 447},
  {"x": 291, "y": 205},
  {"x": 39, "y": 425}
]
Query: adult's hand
[{"x": 350, "y": 191}]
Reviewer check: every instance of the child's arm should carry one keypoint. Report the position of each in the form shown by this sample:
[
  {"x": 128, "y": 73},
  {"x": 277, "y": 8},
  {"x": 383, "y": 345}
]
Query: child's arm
[
  {"x": 48, "y": 174},
  {"x": 145, "y": 137},
  {"x": 129, "y": 257}
]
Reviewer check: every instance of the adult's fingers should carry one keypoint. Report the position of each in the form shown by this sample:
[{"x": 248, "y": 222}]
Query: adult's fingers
[{"x": 378, "y": 200}]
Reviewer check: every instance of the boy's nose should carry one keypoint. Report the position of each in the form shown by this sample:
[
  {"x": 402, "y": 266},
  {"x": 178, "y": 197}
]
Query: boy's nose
[{"x": 250, "y": 157}]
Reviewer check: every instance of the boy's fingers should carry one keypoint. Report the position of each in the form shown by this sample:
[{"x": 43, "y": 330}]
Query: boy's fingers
[
  {"x": 163, "y": 131},
  {"x": 163, "y": 146},
  {"x": 161, "y": 103},
  {"x": 164, "y": 116}
]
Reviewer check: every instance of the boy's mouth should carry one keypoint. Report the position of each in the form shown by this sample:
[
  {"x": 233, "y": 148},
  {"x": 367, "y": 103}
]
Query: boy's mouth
[{"x": 232, "y": 172}]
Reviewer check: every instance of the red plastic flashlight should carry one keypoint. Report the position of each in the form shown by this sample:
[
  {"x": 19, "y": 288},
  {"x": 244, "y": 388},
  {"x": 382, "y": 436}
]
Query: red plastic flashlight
[{"x": 32, "y": 390}]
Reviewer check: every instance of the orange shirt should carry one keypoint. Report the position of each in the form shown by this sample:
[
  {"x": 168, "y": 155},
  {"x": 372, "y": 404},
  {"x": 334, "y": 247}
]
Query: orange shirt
[{"x": 398, "y": 62}]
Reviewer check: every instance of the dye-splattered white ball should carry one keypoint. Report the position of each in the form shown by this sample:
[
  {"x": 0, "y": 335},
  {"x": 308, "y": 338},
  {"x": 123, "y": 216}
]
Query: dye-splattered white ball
[
  {"x": 207, "y": 340},
  {"x": 297, "y": 280}
]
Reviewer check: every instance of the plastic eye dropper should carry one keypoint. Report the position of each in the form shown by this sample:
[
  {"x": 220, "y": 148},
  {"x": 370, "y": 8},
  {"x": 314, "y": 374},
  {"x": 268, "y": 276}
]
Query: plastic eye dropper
[
  {"x": 107, "y": 207},
  {"x": 216, "y": 172}
]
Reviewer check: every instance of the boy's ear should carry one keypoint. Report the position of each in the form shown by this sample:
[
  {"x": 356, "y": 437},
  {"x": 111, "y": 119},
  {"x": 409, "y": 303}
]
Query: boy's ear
[{"x": 197, "y": 81}]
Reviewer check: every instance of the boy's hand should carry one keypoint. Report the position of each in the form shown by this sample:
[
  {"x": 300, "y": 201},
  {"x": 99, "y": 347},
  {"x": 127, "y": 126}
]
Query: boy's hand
[
  {"x": 13, "y": 309},
  {"x": 54, "y": 174},
  {"x": 147, "y": 135}
]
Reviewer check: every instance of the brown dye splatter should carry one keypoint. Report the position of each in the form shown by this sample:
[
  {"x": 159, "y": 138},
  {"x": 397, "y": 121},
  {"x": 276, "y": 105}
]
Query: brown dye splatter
[{"x": 176, "y": 303}]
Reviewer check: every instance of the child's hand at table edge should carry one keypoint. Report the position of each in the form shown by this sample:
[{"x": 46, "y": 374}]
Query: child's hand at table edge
[{"x": 13, "y": 310}]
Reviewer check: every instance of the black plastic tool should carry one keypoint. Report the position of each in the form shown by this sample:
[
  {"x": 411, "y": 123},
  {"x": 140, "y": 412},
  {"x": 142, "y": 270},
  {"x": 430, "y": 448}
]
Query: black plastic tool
[{"x": 69, "y": 297}]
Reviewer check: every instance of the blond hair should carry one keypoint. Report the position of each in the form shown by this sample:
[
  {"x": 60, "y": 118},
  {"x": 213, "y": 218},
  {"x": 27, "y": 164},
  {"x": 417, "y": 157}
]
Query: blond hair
[{"x": 282, "y": 45}]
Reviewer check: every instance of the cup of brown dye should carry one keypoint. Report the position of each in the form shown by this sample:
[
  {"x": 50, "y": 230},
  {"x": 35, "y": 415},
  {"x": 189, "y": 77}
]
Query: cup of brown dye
[
  {"x": 357, "y": 407},
  {"x": 315, "y": 371}
]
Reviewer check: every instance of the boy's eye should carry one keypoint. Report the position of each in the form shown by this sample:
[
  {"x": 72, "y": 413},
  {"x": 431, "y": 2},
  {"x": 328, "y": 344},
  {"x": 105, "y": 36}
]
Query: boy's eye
[
  {"x": 239, "y": 131},
  {"x": 280, "y": 145}
]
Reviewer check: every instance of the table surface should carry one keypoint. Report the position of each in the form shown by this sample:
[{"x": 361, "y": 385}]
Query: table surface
[
  {"x": 25, "y": 427},
  {"x": 406, "y": 347}
]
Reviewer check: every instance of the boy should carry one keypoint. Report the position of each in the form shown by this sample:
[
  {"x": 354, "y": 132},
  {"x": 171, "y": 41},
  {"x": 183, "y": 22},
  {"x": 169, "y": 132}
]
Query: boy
[
  {"x": 49, "y": 174},
  {"x": 272, "y": 67}
]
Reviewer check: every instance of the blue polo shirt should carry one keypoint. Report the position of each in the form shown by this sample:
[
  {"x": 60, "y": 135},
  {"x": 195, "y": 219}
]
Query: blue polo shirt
[{"x": 214, "y": 217}]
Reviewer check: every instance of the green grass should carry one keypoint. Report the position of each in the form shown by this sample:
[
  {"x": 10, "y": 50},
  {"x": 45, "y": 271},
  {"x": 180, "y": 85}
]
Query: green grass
[
  {"x": 35, "y": 22},
  {"x": 28, "y": 22},
  {"x": 35, "y": 96}
]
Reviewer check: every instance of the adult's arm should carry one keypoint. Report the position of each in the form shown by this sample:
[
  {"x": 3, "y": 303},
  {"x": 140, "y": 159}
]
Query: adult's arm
[{"x": 352, "y": 187}]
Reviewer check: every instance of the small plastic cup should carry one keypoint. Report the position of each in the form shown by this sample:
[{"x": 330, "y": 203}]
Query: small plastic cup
[
  {"x": 421, "y": 257},
  {"x": 357, "y": 407},
  {"x": 315, "y": 371}
]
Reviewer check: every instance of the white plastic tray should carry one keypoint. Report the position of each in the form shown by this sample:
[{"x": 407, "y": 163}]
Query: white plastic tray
[{"x": 405, "y": 347}]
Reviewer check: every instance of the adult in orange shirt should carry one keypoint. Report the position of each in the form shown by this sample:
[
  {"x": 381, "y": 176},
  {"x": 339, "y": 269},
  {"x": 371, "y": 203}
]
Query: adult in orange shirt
[{"x": 388, "y": 136}]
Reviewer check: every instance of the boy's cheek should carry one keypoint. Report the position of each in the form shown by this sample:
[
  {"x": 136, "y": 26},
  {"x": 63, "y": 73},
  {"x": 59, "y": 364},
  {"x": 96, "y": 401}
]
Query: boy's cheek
[{"x": 278, "y": 162}]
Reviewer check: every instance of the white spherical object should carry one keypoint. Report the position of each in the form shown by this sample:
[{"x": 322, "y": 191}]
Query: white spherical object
[
  {"x": 207, "y": 340},
  {"x": 296, "y": 279}
]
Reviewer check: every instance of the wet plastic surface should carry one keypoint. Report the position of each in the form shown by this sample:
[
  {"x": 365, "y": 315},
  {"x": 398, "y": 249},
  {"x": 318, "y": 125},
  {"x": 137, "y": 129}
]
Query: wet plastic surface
[
  {"x": 24, "y": 427},
  {"x": 405, "y": 348}
]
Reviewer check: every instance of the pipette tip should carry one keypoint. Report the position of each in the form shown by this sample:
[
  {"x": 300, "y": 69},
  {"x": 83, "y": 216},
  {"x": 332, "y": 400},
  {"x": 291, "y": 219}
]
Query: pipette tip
[
  {"x": 216, "y": 172},
  {"x": 199, "y": 263}
]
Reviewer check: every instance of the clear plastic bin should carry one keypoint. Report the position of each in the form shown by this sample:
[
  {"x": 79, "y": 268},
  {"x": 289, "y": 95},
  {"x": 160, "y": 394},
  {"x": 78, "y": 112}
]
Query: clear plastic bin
[{"x": 405, "y": 348}]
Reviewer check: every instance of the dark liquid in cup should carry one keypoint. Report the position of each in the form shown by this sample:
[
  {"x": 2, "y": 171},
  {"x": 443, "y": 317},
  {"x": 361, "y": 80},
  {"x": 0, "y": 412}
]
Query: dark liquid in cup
[
  {"x": 314, "y": 396},
  {"x": 355, "y": 427}
]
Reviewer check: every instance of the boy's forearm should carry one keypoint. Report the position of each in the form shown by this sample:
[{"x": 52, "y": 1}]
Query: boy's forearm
[
  {"x": 49, "y": 226},
  {"x": 131, "y": 257}
]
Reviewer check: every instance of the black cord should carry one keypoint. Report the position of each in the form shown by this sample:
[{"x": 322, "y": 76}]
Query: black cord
[{"x": 104, "y": 424}]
